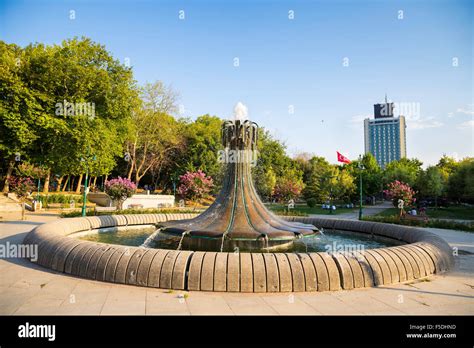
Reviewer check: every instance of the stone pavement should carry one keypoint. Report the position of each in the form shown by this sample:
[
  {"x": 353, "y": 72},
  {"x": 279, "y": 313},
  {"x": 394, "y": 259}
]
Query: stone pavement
[{"x": 32, "y": 290}]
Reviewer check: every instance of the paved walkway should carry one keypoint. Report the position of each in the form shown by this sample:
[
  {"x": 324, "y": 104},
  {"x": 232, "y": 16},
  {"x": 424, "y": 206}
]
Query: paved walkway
[
  {"x": 32, "y": 290},
  {"x": 354, "y": 214}
]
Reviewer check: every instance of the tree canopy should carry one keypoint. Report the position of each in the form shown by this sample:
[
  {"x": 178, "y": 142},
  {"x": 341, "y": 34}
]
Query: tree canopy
[
  {"x": 71, "y": 108},
  {"x": 64, "y": 105}
]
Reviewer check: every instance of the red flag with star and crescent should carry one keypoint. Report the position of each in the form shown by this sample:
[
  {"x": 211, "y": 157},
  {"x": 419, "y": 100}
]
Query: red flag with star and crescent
[{"x": 341, "y": 158}]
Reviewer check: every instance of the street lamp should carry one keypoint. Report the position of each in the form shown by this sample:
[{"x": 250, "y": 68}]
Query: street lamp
[
  {"x": 361, "y": 167},
  {"x": 86, "y": 182},
  {"x": 84, "y": 197},
  {"x": 330, "y": 177},
  {"x": 39, "y": 183},
  {"x": 173, "y": 178}
]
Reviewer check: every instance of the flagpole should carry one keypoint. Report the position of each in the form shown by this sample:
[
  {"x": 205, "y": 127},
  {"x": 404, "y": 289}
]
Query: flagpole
[{"x": 360, "y": 186}]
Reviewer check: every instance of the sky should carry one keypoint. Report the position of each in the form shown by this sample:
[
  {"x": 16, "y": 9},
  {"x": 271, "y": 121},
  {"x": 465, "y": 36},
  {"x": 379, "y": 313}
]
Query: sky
[{"x": 308, "y": 71}]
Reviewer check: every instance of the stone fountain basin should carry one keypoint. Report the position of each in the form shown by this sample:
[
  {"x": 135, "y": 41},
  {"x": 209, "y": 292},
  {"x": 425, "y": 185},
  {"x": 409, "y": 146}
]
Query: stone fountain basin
[{"x": 61, "y": 251}]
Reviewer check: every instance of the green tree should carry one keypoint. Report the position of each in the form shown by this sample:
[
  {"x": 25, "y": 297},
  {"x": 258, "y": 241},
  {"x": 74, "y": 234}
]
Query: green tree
[
  {"x": 73, "y": 92},
  {"x": 203, "y": 139},
  {"x": 372, "y": 176},
  {"x": 20, "y": 110},
  {"x": 272, "y": 158},
  {"x": 431, "y": 183},
  {"x": 155, "y": 136},
  {"x": 324, "y": 181},
  {"x": 447, "y": 166},
  {"x": 405, "y": 170},
  {"x": 344, "y": 187},
  {"x": 288, "y": 186},
  {"x": 337, "y": 184},
  {"x": 317, "y": 178},
  {"x": 461, "y": 182},
  {"x": 267, "y": 183}
]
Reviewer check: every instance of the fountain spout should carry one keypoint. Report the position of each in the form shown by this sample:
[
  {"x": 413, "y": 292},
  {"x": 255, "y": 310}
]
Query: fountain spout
[{"x": 180, "y": 245}]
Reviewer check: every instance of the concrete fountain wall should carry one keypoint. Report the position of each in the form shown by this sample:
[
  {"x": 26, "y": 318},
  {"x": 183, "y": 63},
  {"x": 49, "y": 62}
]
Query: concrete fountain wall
[{"x": 59, "y": 250}]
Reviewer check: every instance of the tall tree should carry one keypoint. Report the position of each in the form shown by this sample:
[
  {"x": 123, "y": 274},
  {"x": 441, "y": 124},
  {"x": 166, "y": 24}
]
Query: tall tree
[
  {"x": 203, "y": 143},
  {"x": 405, "y": 170},
  {"x": 461, "y": 182},
  {"x": 20, "y": 110},
  {"x": 431, "y": 183},
  {"x": 272, "y": 157},
  {"x": 372, "y": 176},
  {"x": 156, "y": 134},
  {"x": 447, "y": 166},
  {"x": 317, "y": 176},
  {"x": 77, "y": 91}
]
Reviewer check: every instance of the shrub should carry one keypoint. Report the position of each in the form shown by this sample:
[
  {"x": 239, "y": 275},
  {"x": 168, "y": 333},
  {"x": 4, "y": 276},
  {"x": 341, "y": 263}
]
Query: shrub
[
  {"x": 450, "y": 225},
  {"x": 59, "y": 198},
  {"x": 288, "y": 188},
  {"x": 195, "y": 184},
  {"x": 399, "y": 190},
  {"x": 286, "y": 212},
  {"x": 119, "y": 190},
  {"x": 21, "y": 186},
  {"x": 133, "y": 211},
  {"x": 311, "y": 202}
]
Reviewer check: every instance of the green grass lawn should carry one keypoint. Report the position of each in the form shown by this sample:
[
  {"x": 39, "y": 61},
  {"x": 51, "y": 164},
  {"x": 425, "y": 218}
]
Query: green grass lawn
[
  {"x": 304, "y": 209},
  {"x": 388, "y": 212},
  {"x": 454, "y": 212}
]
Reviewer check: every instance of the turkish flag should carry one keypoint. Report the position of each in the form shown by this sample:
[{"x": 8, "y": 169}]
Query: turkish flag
[{"x": 341, "y": 158}]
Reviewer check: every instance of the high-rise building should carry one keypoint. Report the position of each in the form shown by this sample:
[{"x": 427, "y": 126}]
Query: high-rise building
[{"x": 385, "y": 135}]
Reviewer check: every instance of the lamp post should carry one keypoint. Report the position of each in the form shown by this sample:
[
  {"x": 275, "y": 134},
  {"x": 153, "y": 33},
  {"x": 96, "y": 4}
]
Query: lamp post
[
  {"x": 330, "y": 177},
  {"x": 39, "y": 183},
  {"x": 174, "y": 184},
  {"x": 361, "y": 167},
  {"x": 330, "y": 202},
  {"x": 86, "y": 182},
  {"x": 84, "y": 197}
]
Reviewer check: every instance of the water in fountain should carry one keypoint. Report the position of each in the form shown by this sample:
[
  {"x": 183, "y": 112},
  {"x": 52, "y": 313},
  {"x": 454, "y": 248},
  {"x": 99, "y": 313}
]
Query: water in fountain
[
  {"x": 180, "y": 245},
  {"x": 222, "y": 242},
  {"x": 151, "y": 239}
]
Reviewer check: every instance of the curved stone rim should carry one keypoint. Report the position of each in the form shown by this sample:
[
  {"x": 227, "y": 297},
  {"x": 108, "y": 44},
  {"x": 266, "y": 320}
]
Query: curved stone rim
[{"x": 425, "y": 254}]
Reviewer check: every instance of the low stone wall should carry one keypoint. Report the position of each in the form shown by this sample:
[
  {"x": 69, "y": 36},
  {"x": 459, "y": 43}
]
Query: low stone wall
[
  {"x": 149, "y": 201},
  {"x": 425, "y": 254}
]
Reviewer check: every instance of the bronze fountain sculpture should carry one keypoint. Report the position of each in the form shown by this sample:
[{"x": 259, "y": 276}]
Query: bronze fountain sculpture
[{"x": 237, "y": 218}]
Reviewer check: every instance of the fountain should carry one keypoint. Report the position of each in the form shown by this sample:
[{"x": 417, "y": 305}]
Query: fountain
[
  {"x": 237, "y": 218},
  {"x": 211, "y": 247}
]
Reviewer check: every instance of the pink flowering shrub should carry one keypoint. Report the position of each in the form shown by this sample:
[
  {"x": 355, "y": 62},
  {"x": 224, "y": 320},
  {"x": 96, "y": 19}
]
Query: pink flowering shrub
[
  {"x": 195, "y": 184},
  {"x": 286, "y": 189},
  {"x": 21, "y": 186},
  {"x": 399, "y": 190},
  {"x": 120, "y": 189}
]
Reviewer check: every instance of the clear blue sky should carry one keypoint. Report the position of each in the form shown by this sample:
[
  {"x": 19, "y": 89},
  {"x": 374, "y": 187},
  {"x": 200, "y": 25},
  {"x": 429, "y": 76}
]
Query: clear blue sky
[{"x": 287, "y": 62}]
